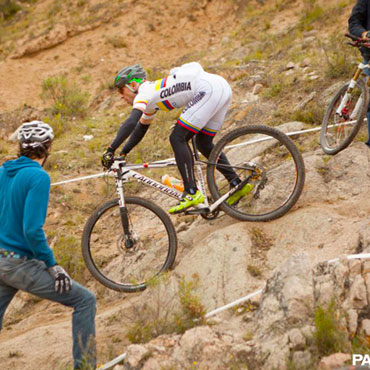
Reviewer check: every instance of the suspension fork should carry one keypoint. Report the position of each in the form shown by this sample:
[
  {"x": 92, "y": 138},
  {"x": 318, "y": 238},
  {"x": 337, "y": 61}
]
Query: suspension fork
[
  {"x": 129, "y": 242},
  {"x": 347, "y": 95}
]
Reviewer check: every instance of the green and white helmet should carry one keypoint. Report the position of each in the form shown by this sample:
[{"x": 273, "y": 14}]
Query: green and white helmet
[{"x": 129, "y": 74}]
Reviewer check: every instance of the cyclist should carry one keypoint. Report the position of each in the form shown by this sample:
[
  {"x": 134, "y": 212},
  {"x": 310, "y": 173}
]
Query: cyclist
[
  {"x": 206, "y": 98},
  {"x": 26, "y": 261},
  {"x": 359, "y": 25}
]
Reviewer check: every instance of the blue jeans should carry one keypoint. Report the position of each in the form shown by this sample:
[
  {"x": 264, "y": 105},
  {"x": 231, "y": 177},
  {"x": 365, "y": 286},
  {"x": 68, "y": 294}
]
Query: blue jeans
[
  {"x": 367, "y": 72},
  {"x": 32, "y": 276}
]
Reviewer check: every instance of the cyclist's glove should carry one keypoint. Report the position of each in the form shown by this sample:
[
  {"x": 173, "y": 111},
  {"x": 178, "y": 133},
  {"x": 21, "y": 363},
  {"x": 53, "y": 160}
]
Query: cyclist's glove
[
  {"x": 107, "y": 158},
  {"x": 63, "y": 283}
]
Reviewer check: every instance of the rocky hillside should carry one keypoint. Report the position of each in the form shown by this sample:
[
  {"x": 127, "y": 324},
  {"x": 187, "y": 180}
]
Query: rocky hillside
[{"x": 284, "y": 60}]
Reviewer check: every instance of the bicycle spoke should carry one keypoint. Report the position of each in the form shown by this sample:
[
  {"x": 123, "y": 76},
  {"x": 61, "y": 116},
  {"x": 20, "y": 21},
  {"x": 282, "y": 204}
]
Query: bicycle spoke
[
  {"x": 129, "y": 267},
  {"x": 276, "y": 179}
]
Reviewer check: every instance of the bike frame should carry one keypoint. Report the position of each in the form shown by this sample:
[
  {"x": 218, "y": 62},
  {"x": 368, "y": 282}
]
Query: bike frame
[{"x": 123, "y": 172}]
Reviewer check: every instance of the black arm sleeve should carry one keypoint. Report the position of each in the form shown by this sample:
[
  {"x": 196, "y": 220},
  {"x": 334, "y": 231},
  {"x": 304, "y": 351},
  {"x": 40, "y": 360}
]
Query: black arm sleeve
[
  {"x": 126, "y": 128},
  {"x": 357, "y": 22},
  {"x": 135, "y": 138}
]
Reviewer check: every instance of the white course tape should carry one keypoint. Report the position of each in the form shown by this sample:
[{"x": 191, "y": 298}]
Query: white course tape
[
  {"x": 352, "y": 257},
  {"x": 228, "y": 147},
  {"x": 172, "y": 159},
  {"x": 115, "y": 361},
  {"x": 232, "y": 304},
  {"x": 79, "y": 179}
]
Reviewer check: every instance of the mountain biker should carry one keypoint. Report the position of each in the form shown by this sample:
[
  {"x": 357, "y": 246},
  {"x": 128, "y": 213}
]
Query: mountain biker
[
  {"x": 206, "y": 98},
  {"x": 359, "y": 25},
  {"x": 26, "y": 261}
]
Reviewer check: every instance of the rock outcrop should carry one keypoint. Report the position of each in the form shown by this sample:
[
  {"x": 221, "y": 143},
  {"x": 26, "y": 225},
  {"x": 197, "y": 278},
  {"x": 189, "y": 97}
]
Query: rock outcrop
[{"x": 283, "y": 325}]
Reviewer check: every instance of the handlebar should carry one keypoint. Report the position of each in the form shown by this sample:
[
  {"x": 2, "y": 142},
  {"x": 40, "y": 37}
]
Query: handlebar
[{"x": 357, "y": 41}]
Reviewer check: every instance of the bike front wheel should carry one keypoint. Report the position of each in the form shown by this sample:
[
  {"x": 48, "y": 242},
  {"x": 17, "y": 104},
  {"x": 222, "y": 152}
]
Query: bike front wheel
[
  {"x": 264, "y": 158},
  {"x": 111, "y": 261},
  {"x": 340, "y": 128}
]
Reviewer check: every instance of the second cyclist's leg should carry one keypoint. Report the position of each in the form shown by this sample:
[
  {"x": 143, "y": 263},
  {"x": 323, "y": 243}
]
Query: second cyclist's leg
[
  {"x": 179, "y": 139},
  {"x": 368, "y": 126}
]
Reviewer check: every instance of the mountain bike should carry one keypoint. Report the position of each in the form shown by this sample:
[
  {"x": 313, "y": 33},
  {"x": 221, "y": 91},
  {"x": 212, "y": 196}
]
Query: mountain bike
[
  {"x": 129, "y": 240},
  {"x": 346, "y": 112}
]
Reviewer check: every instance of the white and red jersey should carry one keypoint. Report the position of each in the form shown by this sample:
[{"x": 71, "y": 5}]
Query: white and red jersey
[
  {"x": 170, "y": 92},
  {"x": 205, "y": 97}
]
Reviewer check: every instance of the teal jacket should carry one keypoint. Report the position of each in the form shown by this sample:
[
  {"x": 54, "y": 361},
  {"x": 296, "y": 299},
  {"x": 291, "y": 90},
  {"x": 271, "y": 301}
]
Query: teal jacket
[{"x": 24, "y": 198}]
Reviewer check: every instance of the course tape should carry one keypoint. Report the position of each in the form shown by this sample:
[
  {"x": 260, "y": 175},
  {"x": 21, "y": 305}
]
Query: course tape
[
  {"x": 236, "y": 303},
  {"x": 171, "y": 159}
]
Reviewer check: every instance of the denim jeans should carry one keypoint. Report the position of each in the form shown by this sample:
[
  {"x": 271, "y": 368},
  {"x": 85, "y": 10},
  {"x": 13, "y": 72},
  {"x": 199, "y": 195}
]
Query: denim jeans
[
  {"x": 32, "y": 276},
  {"x": 367, "y": 72}
]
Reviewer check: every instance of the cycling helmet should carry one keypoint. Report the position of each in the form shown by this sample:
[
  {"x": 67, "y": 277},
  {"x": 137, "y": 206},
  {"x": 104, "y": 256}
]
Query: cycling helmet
[
  {"x": 128, "y": 74},
  {"x": 34, "y": 134}
]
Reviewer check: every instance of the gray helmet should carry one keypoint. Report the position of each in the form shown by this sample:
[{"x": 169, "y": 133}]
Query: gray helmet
[
  {"x": 34, "y": 134},
  {"x": 128, "y": 74}
]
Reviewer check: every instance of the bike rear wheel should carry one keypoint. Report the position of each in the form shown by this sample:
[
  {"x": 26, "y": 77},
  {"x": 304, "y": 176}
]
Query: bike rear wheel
[
  {"x": 338, "y": 131},
  {"x": 128, "y": 269},
  {"x": 277, "y": 178}
]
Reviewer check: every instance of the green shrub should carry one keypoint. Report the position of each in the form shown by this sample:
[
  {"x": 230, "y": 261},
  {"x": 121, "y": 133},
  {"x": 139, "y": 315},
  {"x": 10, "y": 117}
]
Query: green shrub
[
  {"x": 192, "y": 311},
  {"x": 8, "y": 8},
  {"x": 68, "y": 99},
  {"x": 254, "y": 270},
  {"x": 167, "y": 311},
  {"x": 58, "y": 124},
  {"x": 255, "y": 55},
  {"x": 312, "y": 13},
  {"x": 339, "y": 60},
  {"x": 311, "y": 113},
  {"x": 117, "y": 42},
  {"x": 273, "y": 91},
  {"x": 329, "y": 336},
  {"x": 67, "y": 253}
]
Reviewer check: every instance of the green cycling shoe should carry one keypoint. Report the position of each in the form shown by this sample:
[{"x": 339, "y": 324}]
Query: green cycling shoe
[
  {"x": 187, "y": 201},
  {"x": 246, "y": 189}
]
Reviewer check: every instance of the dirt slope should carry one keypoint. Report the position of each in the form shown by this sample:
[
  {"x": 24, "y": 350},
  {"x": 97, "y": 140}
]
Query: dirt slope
[{"x": 156, "y": 35}]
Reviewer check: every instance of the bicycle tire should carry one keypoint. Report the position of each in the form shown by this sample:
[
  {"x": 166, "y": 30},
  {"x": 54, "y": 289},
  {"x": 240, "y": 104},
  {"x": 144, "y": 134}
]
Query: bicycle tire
[
  {"x": 268, "y": 144},
  {"x": 330, "y": 118},
  {"x": 104, "y": 252}
]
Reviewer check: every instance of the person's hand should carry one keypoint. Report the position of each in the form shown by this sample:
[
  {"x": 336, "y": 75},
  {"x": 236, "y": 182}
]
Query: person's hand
[
  {"x": 63, "y": 283},
  {"x": 366, "y": 35},
  {"x": 107, "y": 158}
]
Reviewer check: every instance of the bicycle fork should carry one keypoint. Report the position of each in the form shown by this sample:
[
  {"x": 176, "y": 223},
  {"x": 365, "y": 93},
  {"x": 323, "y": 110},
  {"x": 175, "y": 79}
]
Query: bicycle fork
[
  {"x": 129, "y": 240},
  {"x": 342, "y": 110}
]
